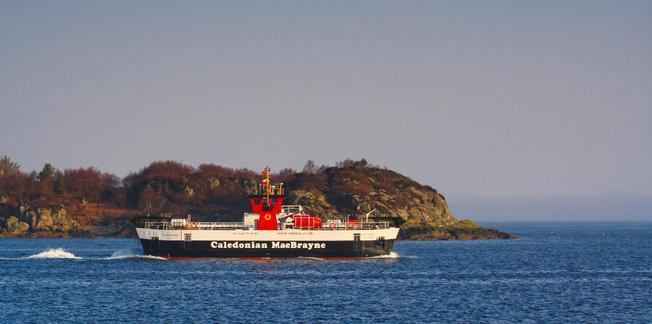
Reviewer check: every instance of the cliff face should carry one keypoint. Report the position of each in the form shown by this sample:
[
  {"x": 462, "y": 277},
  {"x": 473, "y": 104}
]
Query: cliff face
[
  {"x": 34, "y": 221},
  {"x": 62, "y": 221},
  {"x": 219, "y": 194}
]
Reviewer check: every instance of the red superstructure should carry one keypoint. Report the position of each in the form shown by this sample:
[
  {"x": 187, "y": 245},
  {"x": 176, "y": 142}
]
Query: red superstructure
[{"x": 267, "y": 201}]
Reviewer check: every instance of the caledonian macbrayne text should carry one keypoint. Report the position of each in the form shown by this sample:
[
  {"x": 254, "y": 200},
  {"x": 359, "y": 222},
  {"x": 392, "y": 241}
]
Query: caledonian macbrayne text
[{"x": 265, "y": 245}]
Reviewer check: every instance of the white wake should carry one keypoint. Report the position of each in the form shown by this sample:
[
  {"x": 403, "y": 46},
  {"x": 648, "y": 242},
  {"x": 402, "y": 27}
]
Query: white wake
[
  {"x": 58, "y": 253},
  {"x": 131, "y": 254},
  {"x": 392, "y": 255}
]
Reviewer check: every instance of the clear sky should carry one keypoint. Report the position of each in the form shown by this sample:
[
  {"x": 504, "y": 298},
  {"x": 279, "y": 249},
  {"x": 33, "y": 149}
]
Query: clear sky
[{"x": 497, "y": 104}]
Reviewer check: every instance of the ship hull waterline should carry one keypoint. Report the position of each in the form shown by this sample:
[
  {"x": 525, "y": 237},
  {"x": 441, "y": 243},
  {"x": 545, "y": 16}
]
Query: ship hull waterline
[
  {"x": 266, "y": 249},
  {"x": 183, "y": 243}
]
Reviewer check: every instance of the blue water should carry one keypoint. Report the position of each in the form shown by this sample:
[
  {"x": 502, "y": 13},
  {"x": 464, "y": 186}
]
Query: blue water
[{"x": 562, "y": 272}]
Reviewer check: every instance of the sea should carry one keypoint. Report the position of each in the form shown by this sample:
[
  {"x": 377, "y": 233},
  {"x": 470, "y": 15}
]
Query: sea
[{"x": 570, "y": 272}]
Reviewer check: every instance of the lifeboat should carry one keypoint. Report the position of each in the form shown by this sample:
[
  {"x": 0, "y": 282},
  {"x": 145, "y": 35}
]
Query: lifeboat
[{"x": 307, "y": 222}]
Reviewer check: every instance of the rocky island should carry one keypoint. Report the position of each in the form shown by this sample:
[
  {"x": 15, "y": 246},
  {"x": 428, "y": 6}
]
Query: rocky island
[{"x": 90, "y": 203}]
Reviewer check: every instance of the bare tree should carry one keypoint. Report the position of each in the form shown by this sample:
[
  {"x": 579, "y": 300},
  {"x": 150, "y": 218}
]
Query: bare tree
[{"x": 310, "y": 167}]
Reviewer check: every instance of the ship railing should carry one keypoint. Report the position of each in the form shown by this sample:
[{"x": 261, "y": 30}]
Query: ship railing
[
  {"x": 197, "y": 225},
  {"x": 342, "y": 226},
  {"x": 158, "y": 225},
  {"x": 207, "y": 226},
  {"x": 374, "y": 225},
  {"x": 239, "y": 225}
]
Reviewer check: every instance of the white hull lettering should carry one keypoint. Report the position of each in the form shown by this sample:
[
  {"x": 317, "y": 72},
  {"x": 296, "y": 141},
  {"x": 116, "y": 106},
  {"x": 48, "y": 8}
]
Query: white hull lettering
[
  {"x": 275, "y": 245},
  {"x": 238, "y": 245}
]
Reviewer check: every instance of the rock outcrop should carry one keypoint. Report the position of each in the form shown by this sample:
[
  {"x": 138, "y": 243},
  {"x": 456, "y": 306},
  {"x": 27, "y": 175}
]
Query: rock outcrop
[
  {"x": 54, "y": 219},
  {"x": 13, "y": 227},
  {"x": 462, "y": 230},
  {"x": 61, "y": 221},
  {"x": 422, "y": 211}
]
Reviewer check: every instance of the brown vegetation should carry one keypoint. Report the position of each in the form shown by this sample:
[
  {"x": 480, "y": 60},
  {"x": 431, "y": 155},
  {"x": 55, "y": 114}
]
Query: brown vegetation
[{"x": 88, "y": 202}]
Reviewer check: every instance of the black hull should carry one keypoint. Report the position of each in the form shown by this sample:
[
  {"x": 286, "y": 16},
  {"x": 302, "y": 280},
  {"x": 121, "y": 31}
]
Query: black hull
[{"x": 209, "y": 249}]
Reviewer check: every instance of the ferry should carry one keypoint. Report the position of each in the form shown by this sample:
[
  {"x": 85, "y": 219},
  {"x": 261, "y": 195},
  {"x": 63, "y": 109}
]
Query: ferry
[{"x": 270, "y": 230}]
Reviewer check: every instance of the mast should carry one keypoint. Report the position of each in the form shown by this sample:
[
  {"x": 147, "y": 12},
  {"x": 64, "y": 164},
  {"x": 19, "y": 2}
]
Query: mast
[{"x": 267, "y": 200}]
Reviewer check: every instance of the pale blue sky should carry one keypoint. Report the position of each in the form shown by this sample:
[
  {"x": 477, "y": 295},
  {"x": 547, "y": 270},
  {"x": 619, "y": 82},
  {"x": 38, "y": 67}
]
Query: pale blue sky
[{"x": 487, "y": 101}]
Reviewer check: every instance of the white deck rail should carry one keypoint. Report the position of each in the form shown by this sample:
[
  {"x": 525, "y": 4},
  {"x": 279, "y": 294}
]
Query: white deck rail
[{"x": 214, "y": 226}]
